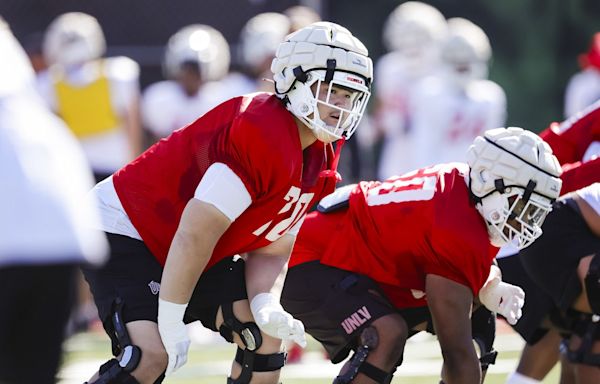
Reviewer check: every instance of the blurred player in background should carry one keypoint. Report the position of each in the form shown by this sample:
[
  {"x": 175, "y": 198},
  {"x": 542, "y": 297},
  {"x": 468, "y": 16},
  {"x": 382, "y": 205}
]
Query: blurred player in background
[
  {"x": 412, "y": 34},
  {"x": 583, "y": 88},
  {"x": 45, "y": 224},
  {"x": 97, "y": 97},
  {"x": 450, "y": 110},
  {"x": 196, "y": 58}
]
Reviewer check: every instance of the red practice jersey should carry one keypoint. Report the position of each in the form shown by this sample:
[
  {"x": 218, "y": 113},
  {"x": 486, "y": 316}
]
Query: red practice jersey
[
  {"x": 258, "y": 139},
  {"x": 398, "y": 231},
  {"x": 570, "y": 141}
]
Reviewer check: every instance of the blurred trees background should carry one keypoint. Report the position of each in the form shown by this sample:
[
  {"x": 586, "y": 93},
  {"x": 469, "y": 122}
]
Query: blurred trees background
[{"x": 535, "y": 42}]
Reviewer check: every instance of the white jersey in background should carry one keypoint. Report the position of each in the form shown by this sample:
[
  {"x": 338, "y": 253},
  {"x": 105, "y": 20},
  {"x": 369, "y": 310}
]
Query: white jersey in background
[
  {"x": 446, "y": 119},
  {"x": 582, "y": 90},
  {"x": 395, "y": 83},
  {"x": 166, "y": 107},
  {"x": 412, "y": 33}
]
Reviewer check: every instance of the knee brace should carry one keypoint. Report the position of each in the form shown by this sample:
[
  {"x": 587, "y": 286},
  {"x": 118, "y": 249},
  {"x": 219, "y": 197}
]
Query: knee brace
[
  {"x": 252, "y": 339},
  {"x": 587, "y": 327},
  {"x": 368, "y": 340},
  {"x": 592, "y": 284},
  {"x": 483, "y": 327},
  {"x": 119, "y": 371}
]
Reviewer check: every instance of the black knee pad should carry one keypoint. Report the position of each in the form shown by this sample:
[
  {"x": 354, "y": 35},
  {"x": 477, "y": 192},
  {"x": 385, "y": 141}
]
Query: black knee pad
[
  {"x": 112, "y": 372},
  {"x": 118, "y": 371},
  {"x": 587, "y": 327},
  {"x": 255, "y": 362},
  {"x": 369, "y": 339},
  {"x": 483, "y": 328}
]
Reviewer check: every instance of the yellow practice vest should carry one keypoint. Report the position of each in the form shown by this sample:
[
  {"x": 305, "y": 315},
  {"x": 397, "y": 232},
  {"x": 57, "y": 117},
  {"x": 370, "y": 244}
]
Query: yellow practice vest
[{"x": 87, "y": 109}]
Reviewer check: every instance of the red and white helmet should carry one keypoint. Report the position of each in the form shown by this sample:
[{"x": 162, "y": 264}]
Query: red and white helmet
[
  {"x": 73, "y": 38},
  {"x": 200, "y": 44},
  {"x": 325, "y": 54},
  {"x": 465, "y": 52},
  {"x": 514, "y": 178}
]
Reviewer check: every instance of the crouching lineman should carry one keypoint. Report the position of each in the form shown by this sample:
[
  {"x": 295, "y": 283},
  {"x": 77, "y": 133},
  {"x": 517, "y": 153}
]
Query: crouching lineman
[
  {"x": 237, "y": 180},
  {"x": 377, "y": 255},
  {"x": 561, "y": 271}
]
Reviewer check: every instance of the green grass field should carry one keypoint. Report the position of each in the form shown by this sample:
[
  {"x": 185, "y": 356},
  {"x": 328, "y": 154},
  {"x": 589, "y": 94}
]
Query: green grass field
[{"x": 208, "y": 363}]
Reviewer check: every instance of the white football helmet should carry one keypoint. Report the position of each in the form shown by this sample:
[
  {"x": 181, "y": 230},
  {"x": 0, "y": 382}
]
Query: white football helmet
[
  {"x": 514, "y": 178},
  {"x": 323, "y": 54},
  {"x": 73, "y": 38},
  {"x": 200, "y": 44},
  {"x": 414, "y": 29},
  {"x": 465, "y": 52},
  {"x": 260, "y": 37}
]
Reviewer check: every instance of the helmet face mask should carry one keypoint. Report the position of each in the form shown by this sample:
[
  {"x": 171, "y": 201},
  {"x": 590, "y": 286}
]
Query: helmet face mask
[
  {"x": 314, "y": 93},
  {"x": 511, "y": 218}
]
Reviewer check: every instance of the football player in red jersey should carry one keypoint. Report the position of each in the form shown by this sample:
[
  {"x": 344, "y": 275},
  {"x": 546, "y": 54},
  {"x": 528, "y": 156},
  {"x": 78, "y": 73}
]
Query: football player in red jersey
[
  {"x": 237, "y": 180},
  {"x": 367, "y": 266}
]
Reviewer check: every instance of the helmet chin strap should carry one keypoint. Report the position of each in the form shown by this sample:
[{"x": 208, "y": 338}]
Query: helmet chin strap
[{"x": 334, "y": 164}]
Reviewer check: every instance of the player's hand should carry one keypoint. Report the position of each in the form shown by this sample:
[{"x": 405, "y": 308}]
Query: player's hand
[
  {"x": 174, "y": 333},
  {"x": 273, "y": 320},
  {"x": 504, "y": 299}
]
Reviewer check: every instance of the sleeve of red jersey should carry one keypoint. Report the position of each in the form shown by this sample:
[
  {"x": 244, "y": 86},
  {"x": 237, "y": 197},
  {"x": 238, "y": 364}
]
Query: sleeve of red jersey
[
  {"x": 578, "y": 175},
  {"x": 243, "y": 149},
  {"x": 571, "y": 138}
]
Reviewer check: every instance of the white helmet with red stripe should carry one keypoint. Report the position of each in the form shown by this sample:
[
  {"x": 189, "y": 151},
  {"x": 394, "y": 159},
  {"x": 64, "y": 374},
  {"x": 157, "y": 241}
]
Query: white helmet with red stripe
[
  {"x": 324, "y": 54},
  {"x": 73, "y": 38}
]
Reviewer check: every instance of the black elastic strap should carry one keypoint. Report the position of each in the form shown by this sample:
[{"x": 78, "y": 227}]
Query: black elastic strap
[
  {"x": 379, "y": 375},
  {"x": 262, "y": 363},
  {"x": 300, "y": 75},
  {"x": 331, "y": 64},
  {"x": 529, "y": 189},
  {"x": 249, "y": 332},
  {"x": 499, "y": 185}
]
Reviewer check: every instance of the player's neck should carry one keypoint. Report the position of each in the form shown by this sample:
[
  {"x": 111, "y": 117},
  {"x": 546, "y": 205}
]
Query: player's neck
[{"x": 306, "y": 135}]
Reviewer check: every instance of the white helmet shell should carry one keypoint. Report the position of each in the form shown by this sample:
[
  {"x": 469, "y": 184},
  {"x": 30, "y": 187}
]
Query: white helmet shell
[
  {"x": 73, "y": 38},
  {"x": 466, "y": 51},
  {"x": 515, "y": 178},
  {"x": 412, "y": 27},
  {"x": 260, "y": 37},
  {"x": 200, "y": 44},
  {"x": 327, "y": 54}
]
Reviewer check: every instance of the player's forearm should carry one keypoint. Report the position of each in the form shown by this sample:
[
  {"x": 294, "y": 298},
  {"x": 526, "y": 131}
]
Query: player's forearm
[
  {"x": 187, "y": 259},
  {"x": 265, "y": 273},
  {"x": 461, "y": 368}
]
